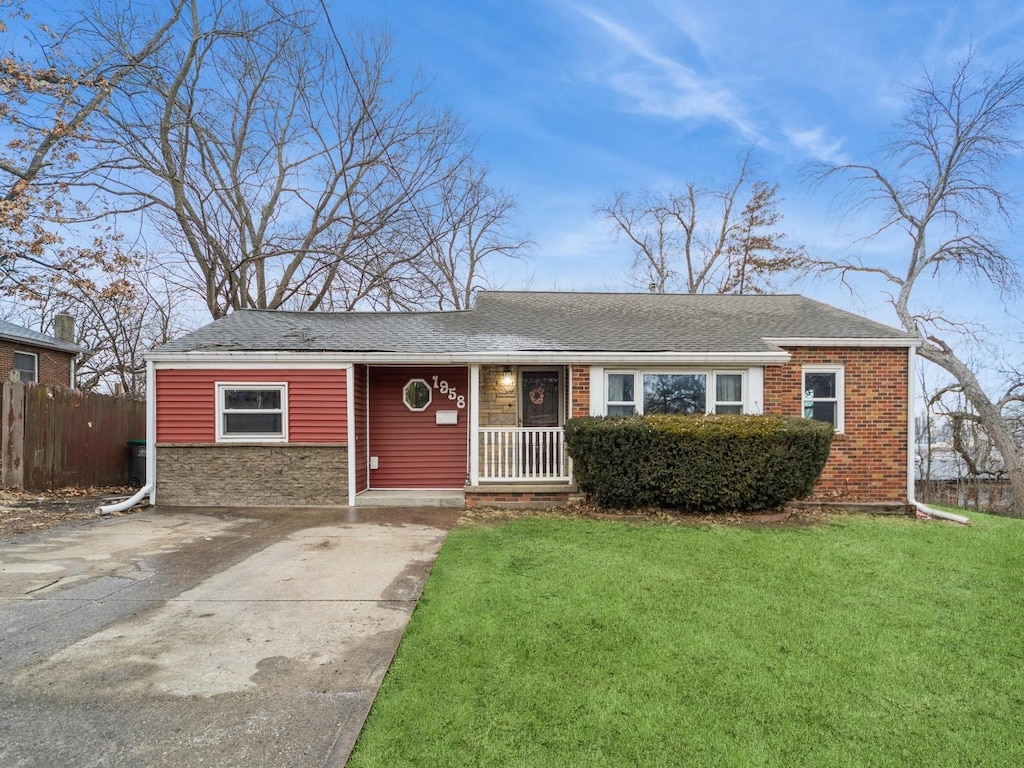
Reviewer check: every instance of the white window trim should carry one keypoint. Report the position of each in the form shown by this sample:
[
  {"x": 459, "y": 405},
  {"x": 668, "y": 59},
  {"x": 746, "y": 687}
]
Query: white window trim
[
  {"x": 221, "y": 386},
  {"x": 637, "y": 406},
  {"x": 35, "y": 363},
  {"x": 430, "y": 395},
  {"x": 715, "y": 402},
  {"x": 710, "y": 392},
  {"x": 840, "y": 371}
]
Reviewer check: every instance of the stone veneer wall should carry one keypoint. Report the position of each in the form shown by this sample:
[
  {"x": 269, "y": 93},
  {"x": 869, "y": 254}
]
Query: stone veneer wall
[
  {"x": 497, "y": 407},
  {"x": 277, "y": 475},
  {"x": 868, "y": 462}
]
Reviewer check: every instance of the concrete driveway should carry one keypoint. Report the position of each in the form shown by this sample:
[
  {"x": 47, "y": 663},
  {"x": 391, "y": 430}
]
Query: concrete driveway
[{"x": 205, "y": 637}]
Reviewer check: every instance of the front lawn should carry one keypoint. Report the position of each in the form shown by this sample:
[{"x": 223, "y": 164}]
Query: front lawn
[{"x": 864, "y": 641}]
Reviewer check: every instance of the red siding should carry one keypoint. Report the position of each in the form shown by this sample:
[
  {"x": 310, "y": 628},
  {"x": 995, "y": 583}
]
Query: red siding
[
  {"x": 359, "y": 385},
  {"x": 186, "y": 410},
  {"x": 414, "y": 451}
]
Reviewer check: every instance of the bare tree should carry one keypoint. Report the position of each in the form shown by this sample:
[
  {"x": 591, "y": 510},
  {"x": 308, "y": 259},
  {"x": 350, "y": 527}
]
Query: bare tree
[
  {"x": 940, "y": 186},
  {"x": 282, "y": 171},
  {"x": 121, "y": 310},
  {"x": 466, "y": 227},
  {"x": 705, "y": 241},
  {"x": 54, "y": 85}
]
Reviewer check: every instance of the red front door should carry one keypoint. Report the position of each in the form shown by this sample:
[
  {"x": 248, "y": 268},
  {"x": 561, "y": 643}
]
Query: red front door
[{"x": 419, "y": 426}]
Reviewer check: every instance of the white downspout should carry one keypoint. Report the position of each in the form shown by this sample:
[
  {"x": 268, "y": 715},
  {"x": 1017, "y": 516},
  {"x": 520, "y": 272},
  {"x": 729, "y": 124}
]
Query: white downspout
[
  {"x": 149, "y": 487},
  {"x": 922, "y": 510},
  {"x": 127, "y": 503}
]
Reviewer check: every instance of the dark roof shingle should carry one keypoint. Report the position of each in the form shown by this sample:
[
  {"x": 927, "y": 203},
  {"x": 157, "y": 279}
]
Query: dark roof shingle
[
  {"x": 17, "y": 333},
  {"x": 510, "y": 321}
]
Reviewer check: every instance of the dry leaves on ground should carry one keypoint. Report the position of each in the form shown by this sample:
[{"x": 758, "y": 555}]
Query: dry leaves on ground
[{"x": 28, "y": 511}]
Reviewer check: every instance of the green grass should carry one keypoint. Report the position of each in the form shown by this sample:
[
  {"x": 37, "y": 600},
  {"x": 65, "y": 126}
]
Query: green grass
[{"x": 558, "y": 642}]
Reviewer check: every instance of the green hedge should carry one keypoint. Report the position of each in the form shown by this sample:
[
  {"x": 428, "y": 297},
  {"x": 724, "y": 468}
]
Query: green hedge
[{"x": 699, "y": 463}]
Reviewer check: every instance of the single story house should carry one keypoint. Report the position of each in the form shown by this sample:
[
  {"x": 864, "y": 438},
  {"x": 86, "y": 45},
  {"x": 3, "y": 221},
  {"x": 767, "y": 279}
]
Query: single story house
[
  {"x": 40, "y": 358},
  {"x": 294, "y": 408}
]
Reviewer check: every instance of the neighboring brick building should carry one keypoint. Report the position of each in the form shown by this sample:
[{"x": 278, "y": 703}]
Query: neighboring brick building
[
  {"x": 278, "y": 407},
  {"x": 38, "y": 357}
]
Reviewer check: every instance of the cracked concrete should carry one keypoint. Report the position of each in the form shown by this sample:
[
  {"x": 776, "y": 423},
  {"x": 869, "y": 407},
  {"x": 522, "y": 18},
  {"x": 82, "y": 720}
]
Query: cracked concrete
[{"x": 205, "y": 637}]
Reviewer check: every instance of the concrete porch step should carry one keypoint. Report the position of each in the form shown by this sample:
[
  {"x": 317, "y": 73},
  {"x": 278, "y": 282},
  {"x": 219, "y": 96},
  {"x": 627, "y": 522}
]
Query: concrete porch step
[{"x": 414, "y": 498}]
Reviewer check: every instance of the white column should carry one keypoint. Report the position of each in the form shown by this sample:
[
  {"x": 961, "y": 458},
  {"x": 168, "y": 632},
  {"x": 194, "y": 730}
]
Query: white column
[
  {"x": 350, "y": 428},
  {"x": 597, "y": 406},
  {"x": 753, "y": 398},
  {"x": 474, "y": 424}
]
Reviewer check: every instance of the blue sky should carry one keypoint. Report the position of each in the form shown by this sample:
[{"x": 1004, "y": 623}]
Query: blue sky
[{"x": 575, "y": 100}]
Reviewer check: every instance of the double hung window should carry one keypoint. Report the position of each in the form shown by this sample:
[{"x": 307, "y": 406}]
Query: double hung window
[
  {"x": 27, "y": 366},
  {"x": 728, "y": 393},
  {"x": 823, "y": 394},
  {"x": 621, "y": 399},
  {"x": 254, "y": 412}
]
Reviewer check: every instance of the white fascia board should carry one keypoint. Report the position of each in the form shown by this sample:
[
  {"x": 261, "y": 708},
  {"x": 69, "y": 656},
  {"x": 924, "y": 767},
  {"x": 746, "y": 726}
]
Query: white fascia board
[
  {"x": 346, "y": 359},
  {"x": 243, "y": 360},
  {"x": 808, "y": 341}
]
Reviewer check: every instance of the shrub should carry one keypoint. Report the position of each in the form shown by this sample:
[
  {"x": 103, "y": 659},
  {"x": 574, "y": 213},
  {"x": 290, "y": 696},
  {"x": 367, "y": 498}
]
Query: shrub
[{"x": 699, "y": 463}]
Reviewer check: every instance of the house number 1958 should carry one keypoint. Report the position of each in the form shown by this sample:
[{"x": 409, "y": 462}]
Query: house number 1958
[{"x": 445, "y": 388}]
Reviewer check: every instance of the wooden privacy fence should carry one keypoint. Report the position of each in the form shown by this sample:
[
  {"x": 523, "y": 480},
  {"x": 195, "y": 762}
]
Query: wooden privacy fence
[{"x": 55, "y": 437}]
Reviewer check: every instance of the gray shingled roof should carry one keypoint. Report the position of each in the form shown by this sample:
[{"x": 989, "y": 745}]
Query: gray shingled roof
[
  {"x": 509, "y": 321},
  {"x": 17, "y": 333}
]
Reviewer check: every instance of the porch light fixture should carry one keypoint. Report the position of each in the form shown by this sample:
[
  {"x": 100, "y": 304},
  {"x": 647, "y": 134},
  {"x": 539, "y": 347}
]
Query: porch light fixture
[{"x": 506, "y": 379}]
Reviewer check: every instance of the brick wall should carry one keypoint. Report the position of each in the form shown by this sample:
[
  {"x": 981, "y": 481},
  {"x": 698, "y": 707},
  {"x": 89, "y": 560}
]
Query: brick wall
[
  {"x": 482, "y": 496},
  {"x": 54, "y": 367},
  {"x": 868, "y": 462},
  {"x": 579, "y": 391},
  {"x": 252, "y": 475}
]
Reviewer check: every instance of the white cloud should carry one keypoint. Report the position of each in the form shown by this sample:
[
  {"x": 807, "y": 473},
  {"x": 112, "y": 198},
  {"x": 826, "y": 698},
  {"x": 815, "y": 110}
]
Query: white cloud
[
  {"x": 817, "y": 144},
  {"x": 661, "y": 86}
]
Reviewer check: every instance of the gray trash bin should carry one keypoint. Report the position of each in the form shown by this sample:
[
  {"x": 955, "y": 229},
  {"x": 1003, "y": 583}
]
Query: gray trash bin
[{"x": 137, "y": 462}]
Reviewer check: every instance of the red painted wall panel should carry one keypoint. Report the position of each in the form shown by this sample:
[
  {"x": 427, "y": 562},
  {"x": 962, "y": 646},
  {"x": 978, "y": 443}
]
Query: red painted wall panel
[
  {"x": 359, "y": 384},
  {"x": 412, "y": 449},
  {"x": 186, "y": 410}
]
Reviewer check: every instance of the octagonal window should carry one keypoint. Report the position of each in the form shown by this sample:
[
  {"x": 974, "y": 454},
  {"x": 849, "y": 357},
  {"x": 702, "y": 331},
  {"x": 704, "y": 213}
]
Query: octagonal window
[{"x": 416, "y": 395}]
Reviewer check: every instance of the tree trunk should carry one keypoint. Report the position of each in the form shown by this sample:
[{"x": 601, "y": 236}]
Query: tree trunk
[{"x": 992, "y": 420}]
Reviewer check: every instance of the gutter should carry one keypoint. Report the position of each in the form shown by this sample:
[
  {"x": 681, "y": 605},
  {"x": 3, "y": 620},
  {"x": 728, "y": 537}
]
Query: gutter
[{"x": 923, "y": 511}]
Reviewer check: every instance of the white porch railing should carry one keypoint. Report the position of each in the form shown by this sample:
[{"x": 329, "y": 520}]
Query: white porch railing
[{"x": 523, "y": 453}]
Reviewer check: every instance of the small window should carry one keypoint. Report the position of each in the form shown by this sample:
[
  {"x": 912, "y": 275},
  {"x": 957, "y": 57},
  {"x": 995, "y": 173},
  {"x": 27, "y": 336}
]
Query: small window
[
  {"x": 416, "y": 395},
  {"x": 675, "y": 393},
  {"x": 823, "y": 394},
  {"x": 621, "y": 394},
  {"x": 255, "y": 412},
  {"x": 27, "y": 366},
  {"x": 728, "y": 393}
]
